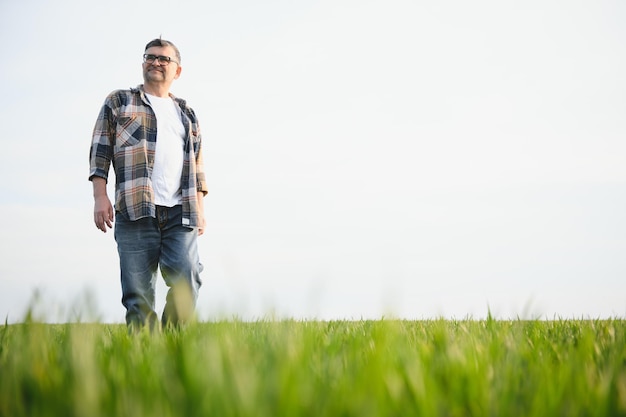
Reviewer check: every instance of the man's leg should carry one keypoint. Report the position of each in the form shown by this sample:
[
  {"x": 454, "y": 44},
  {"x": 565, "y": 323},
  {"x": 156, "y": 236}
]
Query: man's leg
[
  {"x": 180, "y": 267},
  {"x": 138, "y": 247}
]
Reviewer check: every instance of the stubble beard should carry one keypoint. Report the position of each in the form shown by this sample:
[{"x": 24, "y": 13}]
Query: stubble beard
[{"x": 154, "y": 75}]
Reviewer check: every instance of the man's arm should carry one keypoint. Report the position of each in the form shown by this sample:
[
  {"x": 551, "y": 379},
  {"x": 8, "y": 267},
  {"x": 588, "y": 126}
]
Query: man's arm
[
  {"x": 100, "y": 156},
  {"x": 103, "y": 209},
  {"x": 201, "y": 183},
  {"x": 201, "y": 220}
]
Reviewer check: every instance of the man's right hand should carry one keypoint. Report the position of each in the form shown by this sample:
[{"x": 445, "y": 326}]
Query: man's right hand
[{"x": 103, "y": 213}]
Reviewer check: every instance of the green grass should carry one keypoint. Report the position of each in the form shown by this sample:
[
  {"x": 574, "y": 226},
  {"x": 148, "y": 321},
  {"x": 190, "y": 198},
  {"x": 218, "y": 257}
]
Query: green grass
[{"x": 315, "y": 368}]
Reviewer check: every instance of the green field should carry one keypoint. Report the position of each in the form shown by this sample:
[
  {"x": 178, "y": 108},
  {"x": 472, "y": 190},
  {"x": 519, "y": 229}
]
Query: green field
[{"x": 316, "y": 368}]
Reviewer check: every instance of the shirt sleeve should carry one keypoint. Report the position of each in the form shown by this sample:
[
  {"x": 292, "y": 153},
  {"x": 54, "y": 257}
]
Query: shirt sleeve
[
  {"x": 102, "y": 142},
  {"x": 201, "y": 182}
]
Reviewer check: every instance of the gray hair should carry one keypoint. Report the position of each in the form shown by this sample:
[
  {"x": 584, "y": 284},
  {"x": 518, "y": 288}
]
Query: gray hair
[{"x": 163, "y": 42}]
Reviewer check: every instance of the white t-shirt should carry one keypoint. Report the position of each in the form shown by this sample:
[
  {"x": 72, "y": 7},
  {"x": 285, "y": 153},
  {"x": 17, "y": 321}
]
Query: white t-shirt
[{"x": 168, "y": 157}]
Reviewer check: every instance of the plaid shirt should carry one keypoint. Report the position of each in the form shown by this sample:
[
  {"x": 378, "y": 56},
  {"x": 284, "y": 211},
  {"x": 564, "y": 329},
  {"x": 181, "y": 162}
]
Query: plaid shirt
[{"x": 125, "y": 134}]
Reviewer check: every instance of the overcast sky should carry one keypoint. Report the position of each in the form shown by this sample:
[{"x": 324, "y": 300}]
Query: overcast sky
[{"x": 419, "y": 159}]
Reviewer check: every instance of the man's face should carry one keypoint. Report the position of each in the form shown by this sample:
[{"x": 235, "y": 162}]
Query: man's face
[{"x": 157, "y": 72}]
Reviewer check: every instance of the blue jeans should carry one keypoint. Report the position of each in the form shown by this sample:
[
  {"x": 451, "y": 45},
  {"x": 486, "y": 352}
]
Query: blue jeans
[{"x": 147, "y": 244}]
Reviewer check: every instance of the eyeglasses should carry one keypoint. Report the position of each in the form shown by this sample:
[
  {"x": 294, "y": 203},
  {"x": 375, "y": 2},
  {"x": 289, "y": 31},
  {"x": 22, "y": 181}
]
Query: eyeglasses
[{"x": 163, "y": 60}]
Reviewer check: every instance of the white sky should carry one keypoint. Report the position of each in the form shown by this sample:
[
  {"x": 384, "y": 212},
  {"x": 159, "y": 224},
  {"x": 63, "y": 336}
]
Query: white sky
[{"x": 418, "y": 159}]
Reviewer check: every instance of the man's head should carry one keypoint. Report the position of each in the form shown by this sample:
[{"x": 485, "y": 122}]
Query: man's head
[
  {"x": 162, "y": 43},
  {"x": 161, "y": 62}
]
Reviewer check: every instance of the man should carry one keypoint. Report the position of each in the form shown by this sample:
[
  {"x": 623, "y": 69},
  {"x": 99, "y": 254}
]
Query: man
[{"x": 153, "y": 140}]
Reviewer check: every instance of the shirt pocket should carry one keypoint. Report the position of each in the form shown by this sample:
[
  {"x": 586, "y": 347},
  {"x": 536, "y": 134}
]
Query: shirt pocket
[{"x": 128, "y": 130}]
